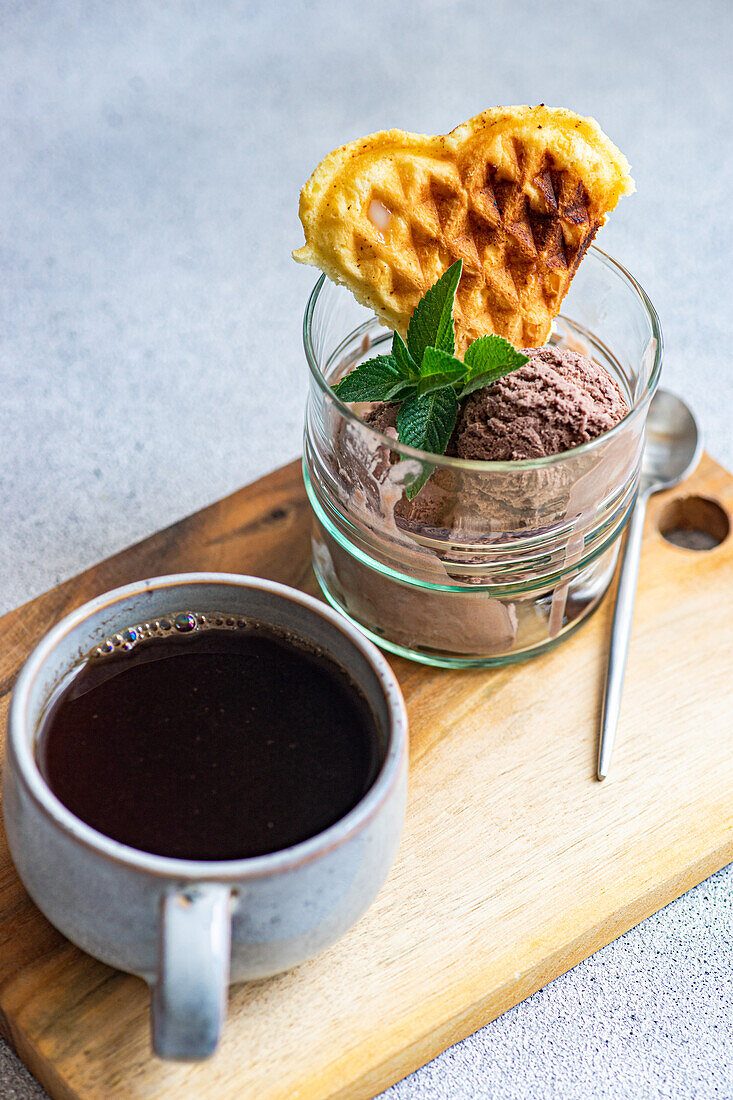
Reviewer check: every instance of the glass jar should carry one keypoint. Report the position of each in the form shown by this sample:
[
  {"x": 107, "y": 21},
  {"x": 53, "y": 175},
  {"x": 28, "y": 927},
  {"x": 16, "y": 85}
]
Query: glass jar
[{"x": 502, "y": 560}]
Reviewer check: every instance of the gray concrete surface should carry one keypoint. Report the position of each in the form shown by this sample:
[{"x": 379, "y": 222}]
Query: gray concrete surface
[{"x": 150, "y": 314}]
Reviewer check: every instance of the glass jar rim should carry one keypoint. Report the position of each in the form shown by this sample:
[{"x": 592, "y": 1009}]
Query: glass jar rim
[{"x": 481, "y": 465}]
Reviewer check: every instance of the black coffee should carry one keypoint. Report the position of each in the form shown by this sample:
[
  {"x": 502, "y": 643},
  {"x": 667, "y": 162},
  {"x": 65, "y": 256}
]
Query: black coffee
[{"x": 213, "y": 740}]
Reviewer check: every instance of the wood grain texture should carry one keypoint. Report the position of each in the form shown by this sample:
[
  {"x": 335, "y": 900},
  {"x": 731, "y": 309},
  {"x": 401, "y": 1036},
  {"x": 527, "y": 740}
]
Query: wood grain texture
[{"x": 515, "y": 863}]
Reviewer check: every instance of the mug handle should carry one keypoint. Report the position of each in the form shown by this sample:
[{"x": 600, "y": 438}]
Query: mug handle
[{"x": 189, "y": 996}]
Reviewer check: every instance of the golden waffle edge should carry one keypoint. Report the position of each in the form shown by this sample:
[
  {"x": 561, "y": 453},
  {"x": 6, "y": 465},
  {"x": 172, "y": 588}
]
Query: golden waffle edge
[{"x": 517, "y": 193}]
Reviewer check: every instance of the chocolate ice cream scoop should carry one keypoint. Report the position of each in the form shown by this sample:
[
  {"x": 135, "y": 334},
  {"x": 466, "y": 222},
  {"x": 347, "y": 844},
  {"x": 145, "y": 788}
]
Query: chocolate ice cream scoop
[
  {"x": 555, "y": 402},
  {"x": 383, "y": 417}
]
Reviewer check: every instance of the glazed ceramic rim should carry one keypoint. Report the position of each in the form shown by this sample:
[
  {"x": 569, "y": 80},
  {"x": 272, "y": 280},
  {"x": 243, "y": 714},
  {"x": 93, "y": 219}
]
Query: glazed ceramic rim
[
  {"x": 21, "y": 754},
  {"x": 638, "y": 408}
]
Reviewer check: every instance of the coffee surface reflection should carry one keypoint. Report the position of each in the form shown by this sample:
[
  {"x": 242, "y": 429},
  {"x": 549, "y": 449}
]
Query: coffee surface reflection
[{"x": 209, "y": 738}]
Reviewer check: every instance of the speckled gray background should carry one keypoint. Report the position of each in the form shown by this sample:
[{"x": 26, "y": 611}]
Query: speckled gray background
[{"x": 150, "y": 160}]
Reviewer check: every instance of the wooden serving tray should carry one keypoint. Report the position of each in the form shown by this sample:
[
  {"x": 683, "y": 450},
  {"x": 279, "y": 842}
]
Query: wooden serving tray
[{"x": 515, "y": 863}]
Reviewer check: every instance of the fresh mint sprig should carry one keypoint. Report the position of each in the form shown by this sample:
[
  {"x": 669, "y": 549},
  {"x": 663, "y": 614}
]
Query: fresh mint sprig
[
  {"x": 425, "y": 376},
  {"x": 487, "y": 360}
]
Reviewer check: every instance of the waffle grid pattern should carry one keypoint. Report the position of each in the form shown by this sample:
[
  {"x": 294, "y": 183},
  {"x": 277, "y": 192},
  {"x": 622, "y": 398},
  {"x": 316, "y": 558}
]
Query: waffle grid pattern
[
  {"x": 517, "y": 193},
  {"x": 521, "y": 234}
]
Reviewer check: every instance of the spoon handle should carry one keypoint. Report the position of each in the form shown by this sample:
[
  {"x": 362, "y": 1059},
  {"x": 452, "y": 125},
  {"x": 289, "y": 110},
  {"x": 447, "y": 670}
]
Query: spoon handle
[{"x": 620, "y": 635}]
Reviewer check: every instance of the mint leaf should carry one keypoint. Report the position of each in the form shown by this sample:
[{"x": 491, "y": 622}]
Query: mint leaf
[
  {"x": 488, "y": 359},
  {"x": 426, "y": 422},
  {"x": 424, "y": 376},
  {"x": 431, "y": 323},
  {"x": 415, "y": 486},
  {"x": 439, "y": 369},
  {"x": 407, "y": 365},
  {"x": 379, "y": 379}
]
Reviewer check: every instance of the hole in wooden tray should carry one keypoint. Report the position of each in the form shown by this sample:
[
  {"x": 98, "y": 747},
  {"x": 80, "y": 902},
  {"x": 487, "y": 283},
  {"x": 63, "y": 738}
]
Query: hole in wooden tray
[{"x": 694, "y": 523}]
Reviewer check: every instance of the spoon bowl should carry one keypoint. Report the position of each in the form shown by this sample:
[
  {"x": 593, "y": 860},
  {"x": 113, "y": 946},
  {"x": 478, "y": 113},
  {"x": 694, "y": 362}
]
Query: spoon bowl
[{"x": 673, "y": 442}]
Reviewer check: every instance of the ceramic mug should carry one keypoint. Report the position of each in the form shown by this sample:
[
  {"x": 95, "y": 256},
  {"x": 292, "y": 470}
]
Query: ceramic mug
[{"x": 189, "y": 927}]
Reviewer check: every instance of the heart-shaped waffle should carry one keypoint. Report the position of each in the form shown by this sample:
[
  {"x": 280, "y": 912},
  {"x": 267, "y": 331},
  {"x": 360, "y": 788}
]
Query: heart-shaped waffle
[{"x": 517, "y": 193}]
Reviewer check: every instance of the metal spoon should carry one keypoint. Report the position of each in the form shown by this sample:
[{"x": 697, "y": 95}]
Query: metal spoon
[{"x": 671, "y": 452}]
